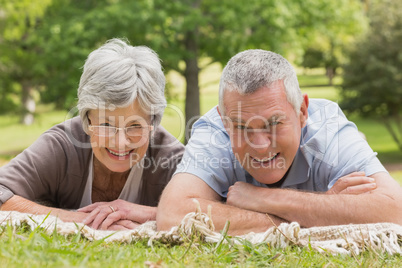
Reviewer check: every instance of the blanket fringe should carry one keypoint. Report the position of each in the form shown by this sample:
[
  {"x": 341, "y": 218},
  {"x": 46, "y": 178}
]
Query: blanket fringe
[{"x": 339, "y": 239}]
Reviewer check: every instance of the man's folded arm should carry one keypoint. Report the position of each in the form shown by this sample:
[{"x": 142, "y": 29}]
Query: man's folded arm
[
  {"x": 176, "y": 202},
  {"x": 384, "y": 204}
]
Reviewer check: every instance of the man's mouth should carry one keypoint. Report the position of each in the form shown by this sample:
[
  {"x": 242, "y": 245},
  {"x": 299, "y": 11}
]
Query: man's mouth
[{"x": 265, "y": 159}]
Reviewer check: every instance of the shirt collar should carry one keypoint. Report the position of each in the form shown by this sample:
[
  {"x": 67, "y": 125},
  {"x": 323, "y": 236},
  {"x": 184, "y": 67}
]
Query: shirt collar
[{"x": 298, "y": 172}]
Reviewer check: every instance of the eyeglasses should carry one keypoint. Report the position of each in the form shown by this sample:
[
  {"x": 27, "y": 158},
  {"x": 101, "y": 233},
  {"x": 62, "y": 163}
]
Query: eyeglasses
[{"x": 110, "y": 131}]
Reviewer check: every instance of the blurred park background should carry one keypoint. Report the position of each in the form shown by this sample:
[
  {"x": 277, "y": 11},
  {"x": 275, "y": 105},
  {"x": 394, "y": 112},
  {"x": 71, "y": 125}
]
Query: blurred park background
[{"x": 348, "y": 51}]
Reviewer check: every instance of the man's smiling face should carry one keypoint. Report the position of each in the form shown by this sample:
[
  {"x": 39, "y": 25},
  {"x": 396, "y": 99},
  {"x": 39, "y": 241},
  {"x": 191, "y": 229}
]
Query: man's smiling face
[{"x": 264, "y": 130}]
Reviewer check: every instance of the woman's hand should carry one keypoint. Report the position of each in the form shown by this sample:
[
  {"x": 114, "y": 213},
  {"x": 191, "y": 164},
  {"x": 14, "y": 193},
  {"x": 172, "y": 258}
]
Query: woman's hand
[
  {"x": 117, "y": 215},
  {"x": 353, "y": 183}
]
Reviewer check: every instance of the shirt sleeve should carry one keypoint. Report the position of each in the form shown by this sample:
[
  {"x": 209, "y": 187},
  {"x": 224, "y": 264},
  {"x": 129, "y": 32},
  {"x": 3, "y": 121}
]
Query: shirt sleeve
[
  {"x": 208, "y": 156},
  {"x": 354, "y": 155},
  {"x": 34, "y": 173},
  {"x": 339, "y": 149}
]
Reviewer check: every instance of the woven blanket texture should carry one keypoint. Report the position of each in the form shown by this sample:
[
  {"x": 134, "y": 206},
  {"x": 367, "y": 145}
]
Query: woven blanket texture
[{"x": 340, "y": 239}]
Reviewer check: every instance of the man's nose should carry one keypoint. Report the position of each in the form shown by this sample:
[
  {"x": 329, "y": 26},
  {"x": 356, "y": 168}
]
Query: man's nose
[{"x": 260, "y": 141}]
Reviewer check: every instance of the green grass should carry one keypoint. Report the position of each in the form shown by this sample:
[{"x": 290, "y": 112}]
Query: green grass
[
  {"x": 16, "y": 137},
  {"x": 316, "y": 79},
  {"x": 20, "y": 247}
]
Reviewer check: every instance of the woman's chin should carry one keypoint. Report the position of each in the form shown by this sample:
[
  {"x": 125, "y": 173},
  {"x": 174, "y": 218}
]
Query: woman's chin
[
  {"x": 118, "y": 164},
  {"x": 118, "y": 168}
]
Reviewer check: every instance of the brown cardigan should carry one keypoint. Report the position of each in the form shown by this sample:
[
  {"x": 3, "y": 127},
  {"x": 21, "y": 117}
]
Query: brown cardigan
[{"x": 55, "y": 167}]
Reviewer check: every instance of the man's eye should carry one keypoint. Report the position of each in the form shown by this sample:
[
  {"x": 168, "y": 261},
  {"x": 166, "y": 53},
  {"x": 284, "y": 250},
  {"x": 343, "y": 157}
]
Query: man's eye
[
  {"x": 274, "y": 123},
  {"x": 105, "y": 124}
]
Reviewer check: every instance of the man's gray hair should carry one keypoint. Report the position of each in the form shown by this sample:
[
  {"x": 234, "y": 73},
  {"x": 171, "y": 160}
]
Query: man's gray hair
[
  {"x": 248, "y": 71},
  {"x": 117, "y": 74}
]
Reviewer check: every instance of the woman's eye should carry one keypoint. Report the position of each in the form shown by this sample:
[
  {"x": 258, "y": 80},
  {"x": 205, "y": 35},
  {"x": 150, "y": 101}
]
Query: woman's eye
[
  {"x": 274, "y": 123},
  {"x": 136, "y": 126},
  {"x": 240, "y": 127},
  {"x": 105, "y": 124}
]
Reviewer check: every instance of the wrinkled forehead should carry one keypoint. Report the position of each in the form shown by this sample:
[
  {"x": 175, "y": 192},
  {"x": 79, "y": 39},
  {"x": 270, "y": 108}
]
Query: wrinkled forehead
[{"x": 261, "y": 99}]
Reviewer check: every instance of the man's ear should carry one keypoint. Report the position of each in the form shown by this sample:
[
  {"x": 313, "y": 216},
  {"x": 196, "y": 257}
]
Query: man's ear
[
  {"x": 220, "y": 114},
  {"x": 304, "y": 111},
  {"x": 224, "y": 119}
]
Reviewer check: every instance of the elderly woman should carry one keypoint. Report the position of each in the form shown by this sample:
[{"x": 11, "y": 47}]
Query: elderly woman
[{"x": 113, "y": 161}]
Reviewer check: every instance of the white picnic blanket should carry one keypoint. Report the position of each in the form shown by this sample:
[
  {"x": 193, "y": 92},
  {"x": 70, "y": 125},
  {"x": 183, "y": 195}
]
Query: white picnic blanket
[{"x": 340, "y": 239}]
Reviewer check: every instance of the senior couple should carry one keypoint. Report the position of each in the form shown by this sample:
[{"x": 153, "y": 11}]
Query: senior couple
[{"x": 265, "y": 155}]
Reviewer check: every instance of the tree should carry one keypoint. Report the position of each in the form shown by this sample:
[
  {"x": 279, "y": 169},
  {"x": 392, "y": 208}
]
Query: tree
[
  {"x": 19, "y": 61},
  {"x": 45, "y": 43},
  {"x": 74, "y": 28},
  {"x": 340, "y": 23},
  {"x": 181, "y": 32},
  {"x": 372, "y": 84},
  {"x": 189, "y": 30}
]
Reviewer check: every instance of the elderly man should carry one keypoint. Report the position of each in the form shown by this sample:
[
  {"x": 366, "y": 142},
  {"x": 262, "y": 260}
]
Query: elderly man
[{"x": 268, "y": 154}]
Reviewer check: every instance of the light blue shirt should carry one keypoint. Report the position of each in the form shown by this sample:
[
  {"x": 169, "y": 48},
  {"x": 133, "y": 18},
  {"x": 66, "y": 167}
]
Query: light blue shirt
[{"x": 330, "y": 147}]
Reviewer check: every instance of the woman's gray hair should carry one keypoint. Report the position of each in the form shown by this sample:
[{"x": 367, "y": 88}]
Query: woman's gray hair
[
  {"x": 248, "y": 71},
  {"x": 117, "y": 74}
]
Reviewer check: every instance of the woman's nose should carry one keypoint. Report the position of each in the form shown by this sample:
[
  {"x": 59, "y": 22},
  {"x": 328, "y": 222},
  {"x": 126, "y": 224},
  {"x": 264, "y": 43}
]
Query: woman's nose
[{"x": 121, "y": 138}]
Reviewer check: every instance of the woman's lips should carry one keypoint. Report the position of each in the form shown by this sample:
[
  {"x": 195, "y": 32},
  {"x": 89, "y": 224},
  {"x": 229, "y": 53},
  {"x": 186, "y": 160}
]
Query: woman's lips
[{"x": 119, "y": 155}]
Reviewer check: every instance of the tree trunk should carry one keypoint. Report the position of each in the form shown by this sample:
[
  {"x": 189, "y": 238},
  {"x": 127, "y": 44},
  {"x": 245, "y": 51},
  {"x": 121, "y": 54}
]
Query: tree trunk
[
  {"x": 330, "y": 75},
  {"x": 28, "y": 104},
  {"x": 394, "y": 133},
  {"x": 192, "y": 108},
  {"x": 366, "y": 4}
]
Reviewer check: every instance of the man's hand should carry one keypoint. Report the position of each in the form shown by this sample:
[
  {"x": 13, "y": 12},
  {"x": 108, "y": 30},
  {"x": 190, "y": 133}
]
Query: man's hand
[
  {"x": 117, "y": 215},
  {"x": 242, "y": 195},
  {"x": 176, "y": 202},
  {"x": 353, "y": 183},
  {"x": 247, "y": 196}
]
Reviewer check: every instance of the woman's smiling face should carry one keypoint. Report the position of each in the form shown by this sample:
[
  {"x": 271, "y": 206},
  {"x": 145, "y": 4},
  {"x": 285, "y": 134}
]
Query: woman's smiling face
[{"x": 119, "y": 152}]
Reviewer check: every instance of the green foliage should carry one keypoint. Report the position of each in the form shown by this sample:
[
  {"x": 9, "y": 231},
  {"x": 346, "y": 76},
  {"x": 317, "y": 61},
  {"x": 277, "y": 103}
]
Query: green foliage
[
  {"x": 313, "y": 58},
  {"x": 7, "y": 102},
  {"x": 20, "y": 61},
  {"x": 22, "y": 16},
  {"x": 62, "y": 33},
  {"x": 72, "y": 30},
  {"x": 338, "y": 24},
  {"x": 372, "y": 79}
]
